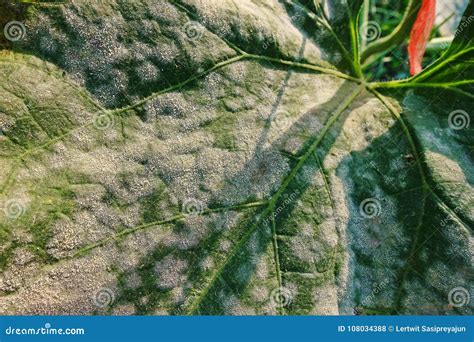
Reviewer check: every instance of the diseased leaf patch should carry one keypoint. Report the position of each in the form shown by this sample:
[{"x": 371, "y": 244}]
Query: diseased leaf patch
[{"x": 256, "y": 179}]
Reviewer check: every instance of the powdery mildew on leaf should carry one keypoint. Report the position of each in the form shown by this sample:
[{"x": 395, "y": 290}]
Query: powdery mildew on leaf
[{"x": 219, "y": 157}]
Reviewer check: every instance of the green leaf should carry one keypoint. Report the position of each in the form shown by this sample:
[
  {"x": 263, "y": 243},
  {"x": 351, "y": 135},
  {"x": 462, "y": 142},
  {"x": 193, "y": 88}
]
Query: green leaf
[
  {"x": 453, "y": 70},
  {"x": 222, "y": 157},
  {"x": 399, "y": 34}
]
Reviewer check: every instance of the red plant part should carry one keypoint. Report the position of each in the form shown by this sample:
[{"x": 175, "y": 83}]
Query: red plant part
[{"x": 419, "y": 35}]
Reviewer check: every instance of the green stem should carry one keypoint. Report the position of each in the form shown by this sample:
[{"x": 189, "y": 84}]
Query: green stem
[
  {"x": 398, "y": 35},
  {"x": 439, "y": 44},
  {"x": 365, "y": 19}
]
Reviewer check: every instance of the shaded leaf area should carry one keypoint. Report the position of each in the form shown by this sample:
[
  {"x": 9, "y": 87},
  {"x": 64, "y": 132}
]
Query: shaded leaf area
[
  {"x": 416, "y": 249},
  {"x": 10, "y": 11},
  {"x": 442, "y": 239},
  {"x": 332, "y": 27},
  {"x": 137, "y": 49},
  {"x": 252, "y": 178},
  {"x": 448, "y": 149},
  {"x": 105, "y": 196},
  {"x": 290, "y": 229}
]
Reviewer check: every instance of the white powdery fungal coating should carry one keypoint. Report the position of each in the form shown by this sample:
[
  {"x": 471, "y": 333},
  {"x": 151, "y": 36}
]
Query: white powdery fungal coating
[
  {"x": 133, "y": 281},
  {"x": 225, "y": 245},
  {"x": 207, "y": 264},
  {"x": 261, "y": 176},
  {"x": 65, "y": 239},
  {"x": 170, "y": 272},
  {"x": 260, "y": 294},
  {"x": 220, "y": 139},
  {"x": 124, "y": 310},
  {"x": 257, "y": 26},
  {"x": 149, "y": 72},
  {"x": 164, "y": 12},
  {"x": 172, "y": 104},
  {"x": 109, "y": 65},
  {"x": 262, "y": 269}
]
